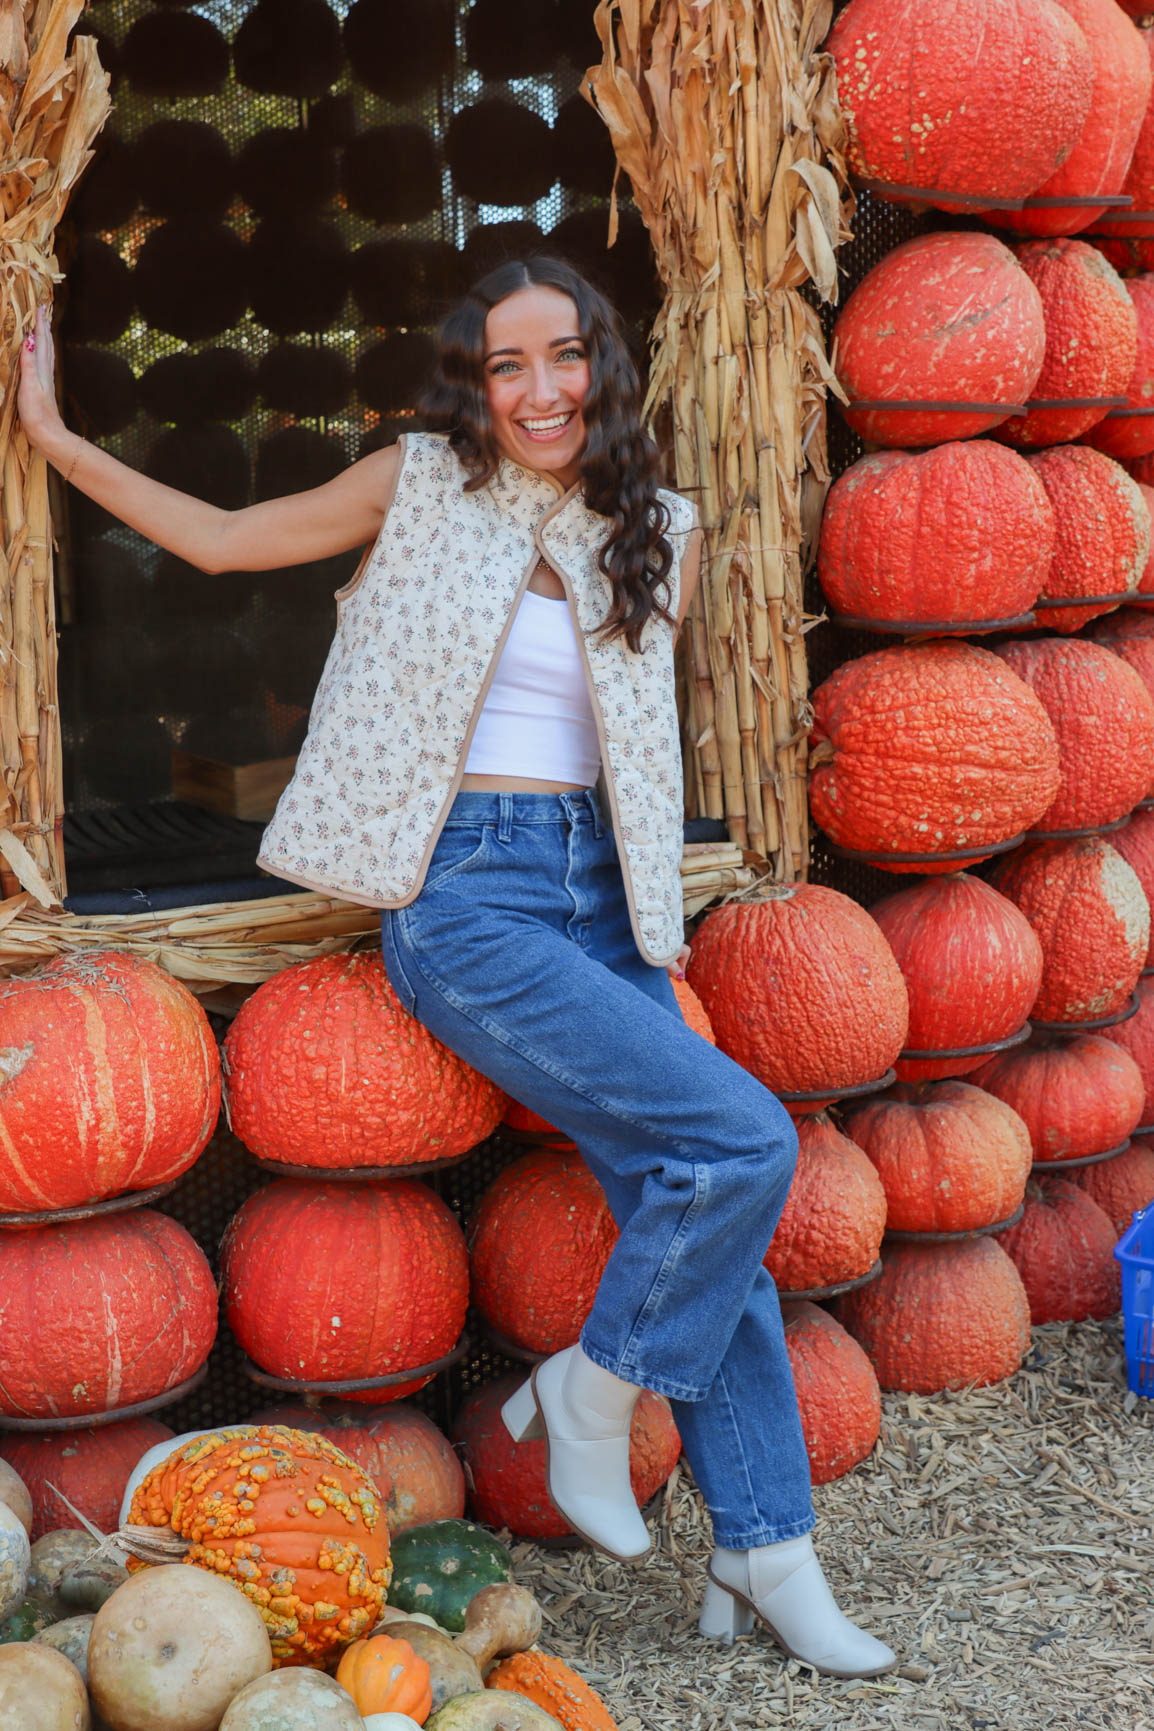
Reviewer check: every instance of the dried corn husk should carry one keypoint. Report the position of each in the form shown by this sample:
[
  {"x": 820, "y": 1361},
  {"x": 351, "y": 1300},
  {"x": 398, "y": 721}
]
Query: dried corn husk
[
  {"x": 723, "y": 114},
  {"x": 52, "y": 105}
]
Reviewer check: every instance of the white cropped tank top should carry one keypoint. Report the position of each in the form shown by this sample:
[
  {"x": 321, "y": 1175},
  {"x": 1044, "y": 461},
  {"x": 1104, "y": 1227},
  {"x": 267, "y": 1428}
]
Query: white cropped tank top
[{"x": 537, "y": 720}]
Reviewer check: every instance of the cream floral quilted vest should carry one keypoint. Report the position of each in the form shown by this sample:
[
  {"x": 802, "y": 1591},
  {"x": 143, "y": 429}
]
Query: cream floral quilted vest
[{"x": 419, "y": 633}]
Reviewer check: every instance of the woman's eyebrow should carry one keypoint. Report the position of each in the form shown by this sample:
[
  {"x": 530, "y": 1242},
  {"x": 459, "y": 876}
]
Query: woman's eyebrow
[{"x": 557, "y": 343}]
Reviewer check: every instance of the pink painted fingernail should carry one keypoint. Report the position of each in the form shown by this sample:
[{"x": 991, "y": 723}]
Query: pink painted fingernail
[
  {"x": 681, "y": 973},
  {"x": 30, "y": 344}
]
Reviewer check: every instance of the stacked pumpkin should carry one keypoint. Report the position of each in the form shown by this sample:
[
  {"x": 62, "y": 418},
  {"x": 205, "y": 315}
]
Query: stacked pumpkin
[{"x": 111, "y": 1091}]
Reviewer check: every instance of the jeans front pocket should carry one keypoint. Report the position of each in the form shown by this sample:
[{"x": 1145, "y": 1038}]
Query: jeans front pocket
[
  {"x": 458, "y": 847},
  {"x": 394, "y": 965}
]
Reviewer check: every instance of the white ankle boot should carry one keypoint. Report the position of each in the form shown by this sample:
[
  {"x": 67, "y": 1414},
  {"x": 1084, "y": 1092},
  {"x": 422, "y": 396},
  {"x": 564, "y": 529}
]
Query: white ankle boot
[
  {"x": 783, "y": 1585},
  {"x": 584, "y": 1412}
]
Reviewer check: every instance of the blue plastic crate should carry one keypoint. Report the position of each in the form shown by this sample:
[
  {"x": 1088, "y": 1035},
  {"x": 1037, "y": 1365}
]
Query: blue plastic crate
[{"x": 1135, "y": 1251}]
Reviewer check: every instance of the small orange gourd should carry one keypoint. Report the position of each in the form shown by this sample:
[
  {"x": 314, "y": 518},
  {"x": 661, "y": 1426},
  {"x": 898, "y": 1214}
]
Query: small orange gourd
[
  {"x": 384, "y": 1675},
  {"x": 549, "y": 1683}
]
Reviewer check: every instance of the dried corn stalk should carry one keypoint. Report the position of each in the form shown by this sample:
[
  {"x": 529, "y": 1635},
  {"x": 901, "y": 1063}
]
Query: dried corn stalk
[
  {"x": 724, "y": 116},
  {"x": 52, "y": 105}
]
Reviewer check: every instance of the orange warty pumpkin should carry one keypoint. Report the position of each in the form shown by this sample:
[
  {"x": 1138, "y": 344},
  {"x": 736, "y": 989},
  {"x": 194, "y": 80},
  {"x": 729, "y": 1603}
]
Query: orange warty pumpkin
[
  {"x": 934, "y": 118},
  {"x": 91, "y": 1467},
  {"x": 837, "y": 1392},
  {"x": 1101, "y": 536},
  {"x": 101, "y": 1313},
  {"x": 941, "y": 1315},
  {"x": 973, "y": 761},
  {"x": 972, "y": 966},
  {"x": 950, "y": 1157},
  {"x": 1121, "y": 1186},
  {"x": 507, "y": 1479},
  {"x": 539, "y": 1241},
  {"x": 551, "y": 1684},
  {"x": 1075, "y": 1096},
  {"x": 963, "y": 531},
  {"x": 1063, "y": 1248},
  {"x": 950, "y": 318},
  {"x": 342, "y": 1282},
  {"x": 1128, "y": 436},
  {"x": 1091, "y": 338},
  {"x": 111, "y": 1081},
  {"x": 1136, "y": 1037},
  {"x": 409, "y": 1460},
  {"x": 384, "y": 1675},
  {"x": 325, "y": 1068},
  {"x": 834, "y": 1216},
  {"x": 290, "y": 1520},
  {"x": 1092, "y": 919},
  {"x": 801, "y": 989}
]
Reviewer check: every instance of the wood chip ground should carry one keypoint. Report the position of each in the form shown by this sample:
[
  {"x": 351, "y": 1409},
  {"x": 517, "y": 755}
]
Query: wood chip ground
[{"x": 1000, "y": 1540}]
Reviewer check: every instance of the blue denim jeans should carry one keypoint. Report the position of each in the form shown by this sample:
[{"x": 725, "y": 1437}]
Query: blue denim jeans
[{"x": 518, "y": 955}]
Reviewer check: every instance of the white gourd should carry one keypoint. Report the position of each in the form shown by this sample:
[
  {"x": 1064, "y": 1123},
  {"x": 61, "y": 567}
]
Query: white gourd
[{"x": 15, "y": 1558}]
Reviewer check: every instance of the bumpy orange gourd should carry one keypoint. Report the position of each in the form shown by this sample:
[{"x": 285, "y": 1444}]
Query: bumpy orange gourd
[
  {"x": 801, "y": 989},
  {"x": 101, "y": 1313},
  {"x": 928, "y": 749},
  {"x": 1101, "y": 157},
  {"x": 111, "y": 1081},
  {"x": 941, "y": 1315},
  {"x": 551, "y": 1684},
  {"x": 950, "y": 1157},
  {"x": 384, "y": 1675},
  {"x": 1136, "y": 1037},
  {"x": 342, "y": 1282},
  {"x": 290, "y": 1520},
  {"x": 1075, "y": 1096},
  {"x": 326, "y": 1068},
  {"x": 1129, "y": 436},
  {"x": 834, "y": 1216},
  {"x": 950, "y": 318},
  {"x": 507, "y": 1479},
  {"x": 1139, "y": 182},
  {"x": 972, "y": 966},
  {"x": 539, "y": 1241},
  {"x": 961, "y": 532},
  {"x": 1120, "y": 1187},
  {"x": 409, "y": 1460},
  {"x": 1135, "y": 842},
  {"x": 1091, "y": 338},
  {"x": 1101, "y": 532},
  {"x": 90, "y": 1467},
  {"x": 921, "y": 88},
  {"x": 837, "y": 1391},
  {"x": 1092, "y": 920},
  {"x": 1063, "y": 1248}
]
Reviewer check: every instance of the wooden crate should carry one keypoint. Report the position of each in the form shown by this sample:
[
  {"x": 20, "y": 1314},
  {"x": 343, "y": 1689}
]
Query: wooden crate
[{"x": 247, "y": 790}]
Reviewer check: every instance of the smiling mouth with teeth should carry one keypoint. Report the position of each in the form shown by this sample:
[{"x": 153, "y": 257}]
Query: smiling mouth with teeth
[{"x": 552, "y": 425}]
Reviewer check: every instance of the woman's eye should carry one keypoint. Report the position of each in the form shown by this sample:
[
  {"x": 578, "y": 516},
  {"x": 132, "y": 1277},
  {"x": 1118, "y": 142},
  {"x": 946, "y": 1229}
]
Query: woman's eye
[
  {"x": 500, "y": 367},
  {"x": 571, "y": 355}
]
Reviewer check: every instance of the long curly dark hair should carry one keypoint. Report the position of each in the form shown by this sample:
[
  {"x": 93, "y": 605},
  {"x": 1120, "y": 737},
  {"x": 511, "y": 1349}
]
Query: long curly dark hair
[{"x": 619, "y": 463}]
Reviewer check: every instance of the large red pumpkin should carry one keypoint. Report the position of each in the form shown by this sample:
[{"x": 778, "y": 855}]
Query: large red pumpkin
[
  {"x": 111, "y": 1081},
  {"x": 1135, "y": 841},
  {"x": 922, "y": 89},
  {"x": 950, "y": 1157},
  {"x": 972, "y": 965},
  {"x": 1100, "y": 159},
  {"x": 101, "y": 1313},
  {"x": 342, "y": 1282},
  {"x": 949, "y": 318},
  {"x": 834, "y": 1216},
  {"x": 961, "y": 532},
  {"x": 1063, "y": 1248},
  {"x": 409, "y": 1460},
  {"x": 539, "y": 1241},
  {"x": 837, "y": 1391},
  {"x": 801, "y": 989},
  {"x": 1091, "y": 338},
  {"x": 1093, "y": 922},
  {"x": 929, "y": 749},
  {"x": 507, "y": 1479},
  {"x": 1138, "y": 185},
  {"x": 1136, "y": 652},
  {"x": 1121, "y": 1186},
  {"x": 326, "y": 1068},
  {"x": 1136, "y": 1037},
  {"x": 1101, "y": 532},
  {"x": 941, "y": 1316},
  {"x": 1075, "y": 1096},
  {"x": 90, "y": 1468},
  {"x": 1103, "y": 717},
  {"x": 1122, "y": 434}
]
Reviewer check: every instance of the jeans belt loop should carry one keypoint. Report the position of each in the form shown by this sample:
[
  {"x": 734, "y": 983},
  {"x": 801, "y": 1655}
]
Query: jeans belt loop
[
  {"x": 505, "y": 817},
  {"x": 598, "y": 826}
]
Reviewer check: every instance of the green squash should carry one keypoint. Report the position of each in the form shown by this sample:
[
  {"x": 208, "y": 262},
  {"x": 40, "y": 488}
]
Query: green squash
[
  {"x": 438, "y": 1568},
  {"x": 34, "y": 1613}
]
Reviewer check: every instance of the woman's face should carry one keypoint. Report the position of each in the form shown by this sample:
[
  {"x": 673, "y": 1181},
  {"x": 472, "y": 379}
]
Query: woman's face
[{"x": 536, "y": 379}]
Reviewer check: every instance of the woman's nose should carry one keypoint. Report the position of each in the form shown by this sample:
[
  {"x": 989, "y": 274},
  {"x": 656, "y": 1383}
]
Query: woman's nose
[{"x": 542, "y": 386}]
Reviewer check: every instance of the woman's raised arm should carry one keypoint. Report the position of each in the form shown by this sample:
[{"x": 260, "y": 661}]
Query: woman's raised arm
[{"x": 346, "y": 512}]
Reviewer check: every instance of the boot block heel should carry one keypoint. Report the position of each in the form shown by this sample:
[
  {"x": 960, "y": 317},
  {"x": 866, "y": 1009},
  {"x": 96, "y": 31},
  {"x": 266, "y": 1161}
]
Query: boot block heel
[
  {"x": 521, "y": 1417},
  {"x": 723, "y": 1618}
]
